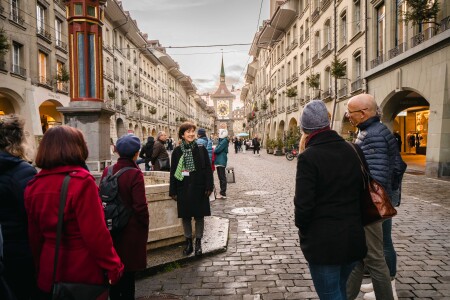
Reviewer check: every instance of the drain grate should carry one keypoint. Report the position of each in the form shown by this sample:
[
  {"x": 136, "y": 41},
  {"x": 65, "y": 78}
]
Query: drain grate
[
  {"x": 256, "y": 193},
  {"x": 246, "y": 211}
]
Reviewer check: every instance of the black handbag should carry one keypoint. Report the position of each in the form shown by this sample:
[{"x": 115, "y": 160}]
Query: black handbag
[
  {"x": 375, "y": 203},
  {"x": 164, "y": 164},
  {"x": 68, "y": 290}
]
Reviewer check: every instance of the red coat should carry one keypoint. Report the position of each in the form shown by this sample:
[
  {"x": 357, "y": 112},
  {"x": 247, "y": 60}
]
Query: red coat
[
  {"x": 131, "y": 243},
  {"x": 86, "y": 250}
]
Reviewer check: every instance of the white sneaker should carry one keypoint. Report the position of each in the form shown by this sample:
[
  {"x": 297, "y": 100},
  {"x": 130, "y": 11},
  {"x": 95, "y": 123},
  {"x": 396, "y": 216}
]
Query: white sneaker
[
  {"x": 371, "y": 295},
  {"x": 366, "y": 288}
]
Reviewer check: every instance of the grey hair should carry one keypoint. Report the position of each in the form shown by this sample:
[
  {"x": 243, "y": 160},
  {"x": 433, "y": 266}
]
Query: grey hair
[
  {"x": 159, "y": 134},
  {"x": 12, "y": 136}
]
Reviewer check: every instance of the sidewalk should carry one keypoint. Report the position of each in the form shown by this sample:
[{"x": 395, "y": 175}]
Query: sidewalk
[{"x": 263, "y": 259}]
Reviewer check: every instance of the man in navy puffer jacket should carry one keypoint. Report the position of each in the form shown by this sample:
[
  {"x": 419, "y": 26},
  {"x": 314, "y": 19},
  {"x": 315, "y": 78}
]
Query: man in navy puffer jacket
[{"x": 387, "y": 167}]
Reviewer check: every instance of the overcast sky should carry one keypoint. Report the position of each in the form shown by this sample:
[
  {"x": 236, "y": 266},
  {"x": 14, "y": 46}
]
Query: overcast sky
[{"x": 202, "y": 22}]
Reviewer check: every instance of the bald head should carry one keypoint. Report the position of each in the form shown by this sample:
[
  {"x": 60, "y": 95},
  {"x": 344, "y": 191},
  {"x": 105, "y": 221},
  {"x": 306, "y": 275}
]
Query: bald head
[{"x": 360, "y": 108}]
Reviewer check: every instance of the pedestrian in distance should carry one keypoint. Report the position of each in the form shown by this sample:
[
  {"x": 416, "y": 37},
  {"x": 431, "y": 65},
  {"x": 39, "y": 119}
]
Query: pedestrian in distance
[
  {"x": 328, "y": 190},
  {"x": 236, "y": 145},
  {"x": 15, "y": 173},
  {"x": 170, "y": 144},
  {"x": 160, "y": 156},
  {"x": 131, "y": 242},
  {"x": 221, "y": 160},
  {"x": 398, "y": 138},
  {"x": 256, "y": 145},
  {"x": 86, "y": 254},
  {"x": 147, "y": 152},
  {"x": 191, "y": 184},
  {"x": 385, "y": 164},
  {"x": 204, "y": 141}
]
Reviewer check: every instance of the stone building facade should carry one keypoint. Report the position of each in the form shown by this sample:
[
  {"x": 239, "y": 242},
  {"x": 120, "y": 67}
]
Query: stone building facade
[
  {"x": 142, "y": 83},
  {"x": 404, "y": 66}
]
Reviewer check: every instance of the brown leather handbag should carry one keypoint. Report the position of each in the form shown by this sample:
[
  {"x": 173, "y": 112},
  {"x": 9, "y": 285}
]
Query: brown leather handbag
[{"x": 375, "y": 203}]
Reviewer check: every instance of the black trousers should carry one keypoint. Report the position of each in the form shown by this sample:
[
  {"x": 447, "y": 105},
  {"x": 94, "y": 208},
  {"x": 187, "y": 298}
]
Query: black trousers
[
  {"x": 255, "y": 151},
  {"x": 223, "y": 180},
  {"x": 125, "y": 288}
]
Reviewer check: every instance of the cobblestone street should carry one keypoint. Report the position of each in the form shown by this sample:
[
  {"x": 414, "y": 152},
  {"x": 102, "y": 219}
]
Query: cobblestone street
[{"x": 264, "y": 260}]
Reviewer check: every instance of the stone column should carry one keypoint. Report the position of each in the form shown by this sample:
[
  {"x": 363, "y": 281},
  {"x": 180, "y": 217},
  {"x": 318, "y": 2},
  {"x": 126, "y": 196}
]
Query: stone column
[{"x": 87, "y": 110}]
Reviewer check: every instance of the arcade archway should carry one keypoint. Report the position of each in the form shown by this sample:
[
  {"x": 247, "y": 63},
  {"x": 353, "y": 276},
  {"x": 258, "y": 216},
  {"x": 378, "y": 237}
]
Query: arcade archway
[
  {"x": 9, "y": 102},
  {"x": 49, "y": 115},
  {"x": 120, "y": 127},
  {"x": 407, "y": 113}
]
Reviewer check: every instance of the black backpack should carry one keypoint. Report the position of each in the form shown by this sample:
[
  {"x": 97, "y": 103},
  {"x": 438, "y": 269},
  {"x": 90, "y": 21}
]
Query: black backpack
[{"x": 117, "y": 214}]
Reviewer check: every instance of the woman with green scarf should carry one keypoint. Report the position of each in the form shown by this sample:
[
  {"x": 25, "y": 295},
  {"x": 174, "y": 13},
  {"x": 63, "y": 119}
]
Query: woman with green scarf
[{"x": 191, "y": 183}]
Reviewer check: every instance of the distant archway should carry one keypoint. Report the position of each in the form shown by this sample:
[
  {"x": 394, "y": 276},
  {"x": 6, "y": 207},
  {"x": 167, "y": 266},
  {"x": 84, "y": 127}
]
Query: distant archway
[
  {"x": 120, "y": 127},
  {"x": 9, "y": 102},
  {"x": 49, "y": 115}
]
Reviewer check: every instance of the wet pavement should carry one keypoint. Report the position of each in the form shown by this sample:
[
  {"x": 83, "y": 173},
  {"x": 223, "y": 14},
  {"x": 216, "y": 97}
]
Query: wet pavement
[{"x": 263, "y": 259}]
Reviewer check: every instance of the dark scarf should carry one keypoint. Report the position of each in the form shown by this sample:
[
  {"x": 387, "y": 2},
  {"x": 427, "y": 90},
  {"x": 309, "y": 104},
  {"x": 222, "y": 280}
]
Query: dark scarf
[{"x": 314, "y": 133}]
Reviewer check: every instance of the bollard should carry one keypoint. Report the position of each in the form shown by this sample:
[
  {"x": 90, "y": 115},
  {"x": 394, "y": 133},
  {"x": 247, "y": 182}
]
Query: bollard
[{"x": 230, "y": 175}]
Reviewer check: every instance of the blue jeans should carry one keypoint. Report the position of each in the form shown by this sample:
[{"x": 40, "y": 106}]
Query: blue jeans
[
  {"x": 388, "y": 248},
  {"x": 330, "y": 281}
]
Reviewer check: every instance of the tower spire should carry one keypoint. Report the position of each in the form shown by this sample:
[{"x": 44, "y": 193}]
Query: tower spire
[{"x": 222, "y": 72}]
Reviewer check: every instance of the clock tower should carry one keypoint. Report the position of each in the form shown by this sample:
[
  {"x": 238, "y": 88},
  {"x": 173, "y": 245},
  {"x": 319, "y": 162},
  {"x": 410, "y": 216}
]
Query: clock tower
[{"x": 223, "y": 103}]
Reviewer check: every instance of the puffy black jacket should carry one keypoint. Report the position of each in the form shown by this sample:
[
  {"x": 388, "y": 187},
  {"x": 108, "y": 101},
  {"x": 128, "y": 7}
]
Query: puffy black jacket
[
  {"x": 18, "y": 261},
  {"x": 381, "y": 152}
]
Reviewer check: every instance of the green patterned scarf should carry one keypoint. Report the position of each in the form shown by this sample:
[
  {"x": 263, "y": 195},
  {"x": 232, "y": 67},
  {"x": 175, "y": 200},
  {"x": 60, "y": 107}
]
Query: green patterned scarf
[
  {"x": 186, "y": 161},
  {"x": 186, "y": 148}
]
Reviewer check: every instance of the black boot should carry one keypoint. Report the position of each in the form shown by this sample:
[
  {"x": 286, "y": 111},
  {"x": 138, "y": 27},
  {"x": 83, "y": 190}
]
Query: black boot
[
  {"x": 198, "y": 247},
  {"x": 188, "y": 250}
]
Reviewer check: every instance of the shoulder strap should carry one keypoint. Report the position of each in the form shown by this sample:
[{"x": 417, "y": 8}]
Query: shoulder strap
[
  {"x": 365, "y": 173},
  {"x": 121, "y": 171},
  {"x": 62, "y": 204}
]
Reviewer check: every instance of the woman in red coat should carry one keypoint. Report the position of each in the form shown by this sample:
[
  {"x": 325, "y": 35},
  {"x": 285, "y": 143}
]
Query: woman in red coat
[
  {"x": 131, "y": 242},
  {"x": 86, "y": 252}
]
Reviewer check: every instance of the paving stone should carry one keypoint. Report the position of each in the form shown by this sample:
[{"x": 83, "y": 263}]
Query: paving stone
[{"x": 263, "y": 259}]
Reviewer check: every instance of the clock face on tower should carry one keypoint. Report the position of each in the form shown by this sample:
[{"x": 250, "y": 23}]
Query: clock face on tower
[{"x": 222, "y": 108}]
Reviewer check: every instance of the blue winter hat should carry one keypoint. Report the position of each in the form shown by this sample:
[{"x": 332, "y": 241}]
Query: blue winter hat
[
  {"x": 128, "y": 145},
  {"x": 201, "y": 132}
]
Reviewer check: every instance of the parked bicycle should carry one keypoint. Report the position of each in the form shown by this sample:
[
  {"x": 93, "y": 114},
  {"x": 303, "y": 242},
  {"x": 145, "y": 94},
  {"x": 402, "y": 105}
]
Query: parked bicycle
[{"x": 291, "y": 154}]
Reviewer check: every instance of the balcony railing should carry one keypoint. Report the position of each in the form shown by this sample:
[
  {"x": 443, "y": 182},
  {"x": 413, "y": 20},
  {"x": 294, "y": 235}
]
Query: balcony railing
[
  {"x": 377, "y": 61},
  {"x": 315, "y": 57},
  {"x": 61, "y": 44},
  {"x": 116, "y": 77},
  {"x": 302, "y": 39},
  {"x": 62, "y": 88},
  {"x": 342, "y": 91},
  {"x": 415, "y": 41},
  {"x": 357, "y": 85},
  {"x": 324, "y": 4},
  {"x": 397, "y": 50},
  {"x": 18, "y": 70},
  {"x": 16, "y": 18},
  {"x": 315, "y": 14},
  {"x": 326, "y": 94},
  {"x": 307, "y": 63},
  {"x": 423, "y": 36},
  {"x": 44, "y": 80},
  {"x": 294, "y": 76},
  {"x": 44, "y": 33},
  {"x": 326, "y": 48}
]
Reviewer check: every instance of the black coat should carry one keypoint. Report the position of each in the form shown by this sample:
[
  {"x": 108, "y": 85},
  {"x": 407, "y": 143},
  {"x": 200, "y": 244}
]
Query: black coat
[
  {"x": 328, "y": 190},
  {"x": 191, "y": 198},
  {"x": 15, "y": 173}
]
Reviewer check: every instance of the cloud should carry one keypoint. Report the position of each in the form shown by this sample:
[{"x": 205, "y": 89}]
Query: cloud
[
  {"x": 234, "y": 68},
  {"x": 165, "y": 5}
]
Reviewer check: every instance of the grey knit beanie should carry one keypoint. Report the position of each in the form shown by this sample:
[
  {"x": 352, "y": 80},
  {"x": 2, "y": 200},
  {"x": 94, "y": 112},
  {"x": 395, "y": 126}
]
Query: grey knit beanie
[{"x": 314, "y": 116}]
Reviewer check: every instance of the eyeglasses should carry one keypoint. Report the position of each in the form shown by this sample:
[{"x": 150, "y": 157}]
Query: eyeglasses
[{"x": 347, "y": 113}]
